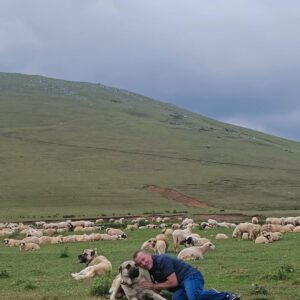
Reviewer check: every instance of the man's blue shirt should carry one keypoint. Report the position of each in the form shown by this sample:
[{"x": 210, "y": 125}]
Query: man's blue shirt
[{"x": 164, "y": 265}]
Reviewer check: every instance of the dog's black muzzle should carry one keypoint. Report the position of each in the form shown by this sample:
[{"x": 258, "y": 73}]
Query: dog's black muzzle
[{"x": 82, "y": 258}]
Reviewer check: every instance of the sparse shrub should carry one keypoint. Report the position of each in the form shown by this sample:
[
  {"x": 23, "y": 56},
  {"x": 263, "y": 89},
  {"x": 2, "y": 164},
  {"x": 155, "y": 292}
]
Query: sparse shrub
[
  {"x": 64, "y": 253},
  {"x": 129, "y": 213},
  {"x": 174, "y": 211},
  {"x": 68, "y": 216},
  {"x": 142, "y": 223},
  {"x": 103, "y": 215},
  {"x": 101, "y": 285},
  {"x": 29, "y": 285},
  {"x": 4, "y": 274},
  {"x": 258, "y": 289},
  {"x": 281, "y": 273}
]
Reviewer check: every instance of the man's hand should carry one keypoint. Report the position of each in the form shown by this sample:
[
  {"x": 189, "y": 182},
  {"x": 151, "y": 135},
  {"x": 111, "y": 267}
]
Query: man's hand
[{"x": 147, "y": 285}]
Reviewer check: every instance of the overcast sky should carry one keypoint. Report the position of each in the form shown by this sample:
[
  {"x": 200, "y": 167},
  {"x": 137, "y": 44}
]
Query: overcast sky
[{"x": 234, "y": 61}]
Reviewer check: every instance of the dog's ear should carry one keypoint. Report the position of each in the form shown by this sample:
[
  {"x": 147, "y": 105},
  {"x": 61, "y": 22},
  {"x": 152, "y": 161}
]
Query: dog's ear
[
  {"x": 128, "y": 266},
  {"x": 120, "y": 268}
]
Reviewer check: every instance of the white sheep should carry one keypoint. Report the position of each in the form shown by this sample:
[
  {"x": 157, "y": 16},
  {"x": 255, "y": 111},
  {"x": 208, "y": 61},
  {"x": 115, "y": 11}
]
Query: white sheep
[
  {"x": 29, "y": 246},
  {"x": 261, "y": 240},
  {"x": 252, "y": 229},
  {"x": 179, "y": 236},
  {"x": 11, "y": 242},
  {"x": 194, "y": 253},
  {"x": 221, "y": 236},
  {"x": 296, "y": 229},
  {"x": 254, "y": 220}
]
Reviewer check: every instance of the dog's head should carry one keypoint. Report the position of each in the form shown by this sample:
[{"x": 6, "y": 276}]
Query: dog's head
[
  {"x": 87, "y": 255},
  {"x": 123, "y": 236},
  {"x": 129, "y": 272}
]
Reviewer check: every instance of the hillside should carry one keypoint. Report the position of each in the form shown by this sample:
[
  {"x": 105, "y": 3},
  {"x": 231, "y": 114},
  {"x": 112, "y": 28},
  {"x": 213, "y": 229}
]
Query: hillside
[{"x": 73, "y": 148}]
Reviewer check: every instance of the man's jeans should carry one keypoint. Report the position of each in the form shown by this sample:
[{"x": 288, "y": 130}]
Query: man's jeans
[{"x": 192, "y": 289}]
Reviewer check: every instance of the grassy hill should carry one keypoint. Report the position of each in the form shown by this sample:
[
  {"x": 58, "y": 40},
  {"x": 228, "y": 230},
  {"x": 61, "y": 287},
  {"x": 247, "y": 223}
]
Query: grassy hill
[{"x": 73, "y": 148}]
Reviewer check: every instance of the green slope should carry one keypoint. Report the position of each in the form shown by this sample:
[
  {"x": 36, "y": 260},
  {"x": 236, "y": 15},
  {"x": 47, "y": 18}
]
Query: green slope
[{"x": 71, "y": 148}]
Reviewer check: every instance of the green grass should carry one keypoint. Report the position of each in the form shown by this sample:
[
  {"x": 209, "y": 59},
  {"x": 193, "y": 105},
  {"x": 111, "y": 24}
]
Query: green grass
[
  {"x": 72, "y": 148},
  {"x": 234, "y": 265}
]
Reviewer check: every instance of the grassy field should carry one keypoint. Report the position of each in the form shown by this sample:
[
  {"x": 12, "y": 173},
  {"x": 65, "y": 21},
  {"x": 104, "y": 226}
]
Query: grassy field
[
  {"x": 86, "y": 150},
  {"x": 257, "y": 272}
]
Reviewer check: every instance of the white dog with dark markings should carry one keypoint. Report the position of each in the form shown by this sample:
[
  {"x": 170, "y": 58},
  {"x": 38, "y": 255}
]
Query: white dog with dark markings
[
  {"x": 97, "y": 265},
  {"x": 127, "y": 283}
]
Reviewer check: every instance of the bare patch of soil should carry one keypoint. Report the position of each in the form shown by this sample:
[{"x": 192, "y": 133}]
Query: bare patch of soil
[{"x": 177, "y": 196}]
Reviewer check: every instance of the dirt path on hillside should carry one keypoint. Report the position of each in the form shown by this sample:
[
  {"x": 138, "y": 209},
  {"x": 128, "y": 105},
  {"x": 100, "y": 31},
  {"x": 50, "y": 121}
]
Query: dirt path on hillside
[{"x": 177, "y": 196}]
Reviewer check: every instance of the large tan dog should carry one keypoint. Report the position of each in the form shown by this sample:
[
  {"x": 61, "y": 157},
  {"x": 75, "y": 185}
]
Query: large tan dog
[
  {"x": 97, "y": 265},
  {"x": 127, "y": 283}
]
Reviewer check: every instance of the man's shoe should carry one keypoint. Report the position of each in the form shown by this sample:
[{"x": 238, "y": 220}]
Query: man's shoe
[{"x": 233, "y": 296}]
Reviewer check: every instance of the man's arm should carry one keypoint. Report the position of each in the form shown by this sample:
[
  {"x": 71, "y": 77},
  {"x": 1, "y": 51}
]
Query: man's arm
[{"x": 170, "y": 282}]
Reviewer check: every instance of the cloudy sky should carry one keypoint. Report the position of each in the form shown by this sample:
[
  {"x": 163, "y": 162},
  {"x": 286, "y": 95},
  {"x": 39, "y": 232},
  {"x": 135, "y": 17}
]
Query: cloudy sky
[{"x": 234, "y": 61}]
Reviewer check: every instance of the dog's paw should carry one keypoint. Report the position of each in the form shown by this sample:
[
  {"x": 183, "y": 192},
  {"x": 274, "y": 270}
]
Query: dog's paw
[{"x": 74, "y": 274}]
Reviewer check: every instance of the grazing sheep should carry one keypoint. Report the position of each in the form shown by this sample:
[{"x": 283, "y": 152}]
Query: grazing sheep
[
  {"x": 194, "y": 253},
  {"x": 167, "y": 231},
  {"x": 179, "y": 235},
  {"x": 221, "y": 236},
  {"x": 29, "y": 246},
  {"x": 245, "y": 236},
  {"x": 277, "y": 221},
  {"x": 252, "y": 229},
  {"x": 149, "y": 245},
  {"x": 160, "y": 247}
]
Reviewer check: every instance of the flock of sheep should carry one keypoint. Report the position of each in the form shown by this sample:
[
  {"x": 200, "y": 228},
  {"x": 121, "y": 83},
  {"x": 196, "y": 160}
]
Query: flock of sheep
[{"x": 181, "y": 233}]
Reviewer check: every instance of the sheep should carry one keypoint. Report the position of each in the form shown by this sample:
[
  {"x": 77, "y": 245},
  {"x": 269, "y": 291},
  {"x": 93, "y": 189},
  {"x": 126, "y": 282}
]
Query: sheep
[
  {"x": 296, "y": 229},
  {"x": 194, "y": 253},
  {"x": 132, "y": 226},
  {"x": 116, "y": 231},
  {"x": 179, "y": 235},
  {"x": 31, "y": 239},
  {"x": 11, "y": 242},
  {"x": 149, "y": 245},
  {"x": 221, "y": 236},
  {"x": 261, "y": 240},
  {"x": 33, "y": 232},
  {"x": 161, "y": 246},
  {"x": 254, "y": 220},
  {"x": 29, "y": 246},
  {"x": 167, "y": 231},
  {"x": 278, "y": 221},
  {"x": 276, "y": 236},
  {"x": 212, "y": 222},
  {"x": 175, "y": 226},
  {"x": 245, "y": 236},
  {"x": 252, "y": 229}
]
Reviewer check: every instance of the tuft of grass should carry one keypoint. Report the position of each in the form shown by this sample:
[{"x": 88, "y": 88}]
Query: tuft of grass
[
  {"x": 101, "y": 285},
  {"x": 4, "y": 274},
  {"x": 257, "y": 289},
  {"x": 282, "y": 273},
  {"x": 29, "y": 285},
  {"x": 64, "y": 253}
]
